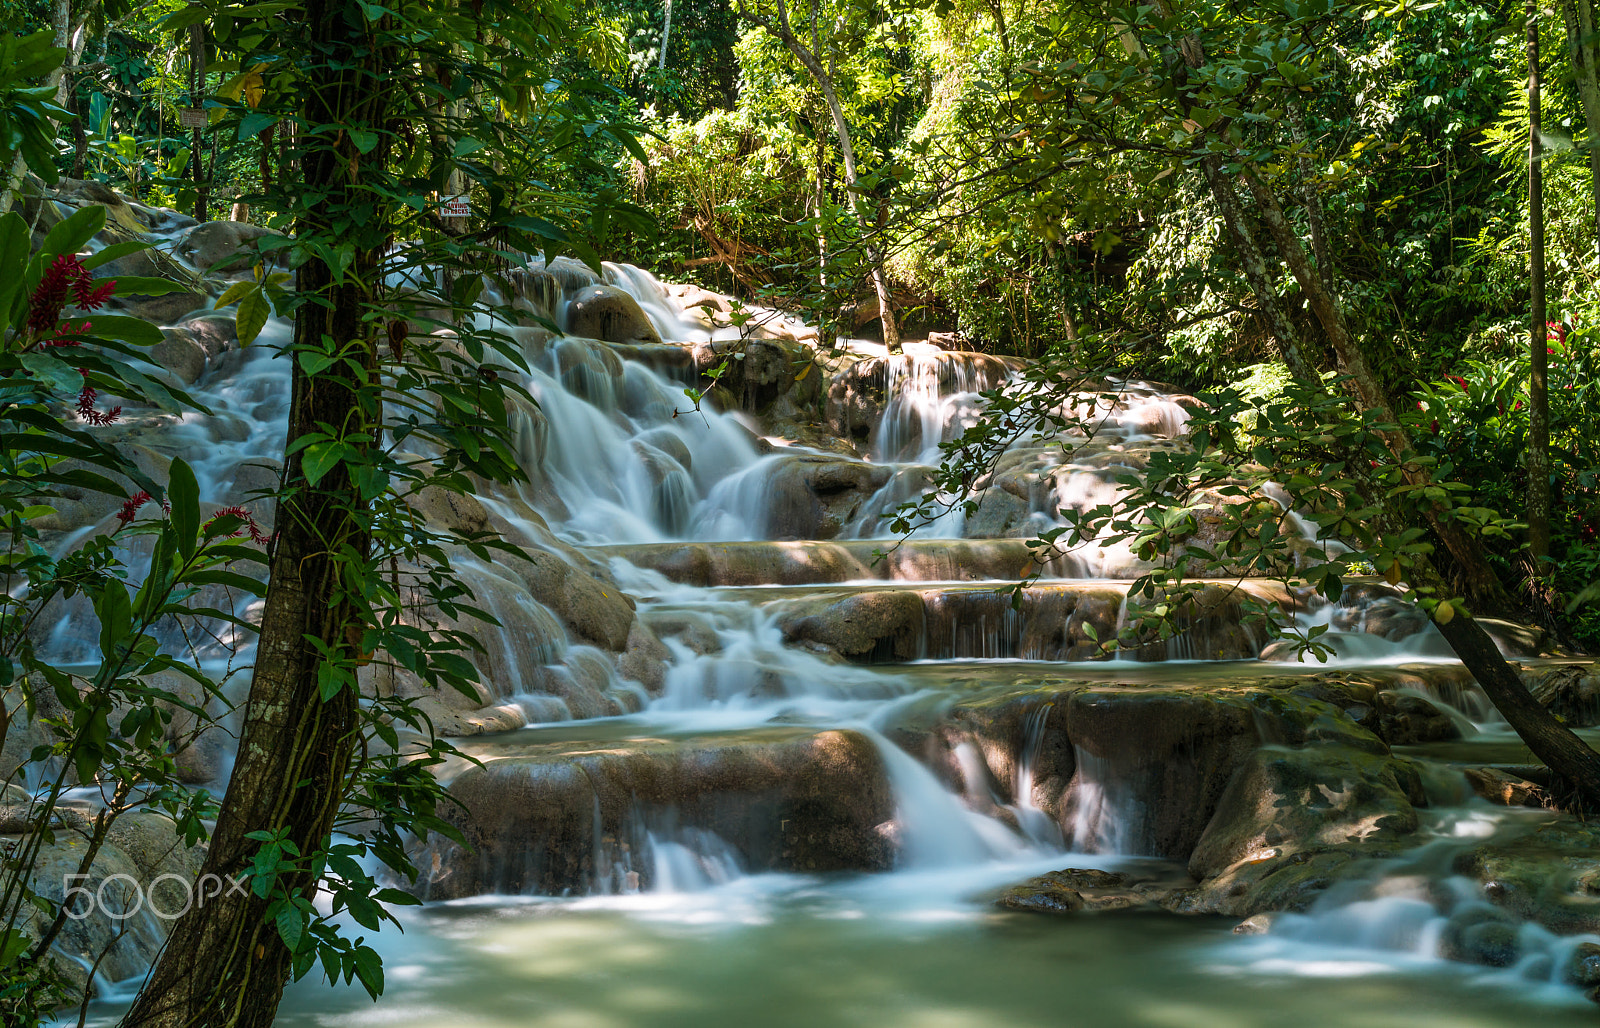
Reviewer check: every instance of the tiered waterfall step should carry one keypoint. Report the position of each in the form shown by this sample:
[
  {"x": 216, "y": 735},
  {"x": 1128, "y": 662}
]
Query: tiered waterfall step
[
  {"x": 807, "y": 562},
  {"x": 880, "y": 622},
  {"x": 558, "y": 817}
]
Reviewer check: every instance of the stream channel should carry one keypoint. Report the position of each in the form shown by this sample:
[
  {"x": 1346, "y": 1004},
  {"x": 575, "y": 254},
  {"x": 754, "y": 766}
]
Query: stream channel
[{"x": 806, "y": 774}]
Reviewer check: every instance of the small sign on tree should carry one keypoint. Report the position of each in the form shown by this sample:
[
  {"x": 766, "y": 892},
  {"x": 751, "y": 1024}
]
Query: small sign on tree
[
  {"x": 455, "y": 207},
  {"x": 192, "y": 117}
]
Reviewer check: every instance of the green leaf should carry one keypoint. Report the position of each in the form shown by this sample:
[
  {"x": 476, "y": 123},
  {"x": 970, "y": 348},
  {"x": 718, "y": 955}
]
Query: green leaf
[
  {"x": 364, "y": 139},
  {"x": 467, "y": 145},
  {"x": 116, "y": 618},
  {"x": 110, "y": 253},
  {"x": 216, "y": 576},
  {"x": 137, "y": 331},
  {"x": 234, "y": 293},
  {"x": 145, "y": 285},
  {"x": 13, "y": 943},
  {"x": 291, "y": 927},
  {"x": 320, "y": 458},
  {"x": 14, "y": 246},
  {"x": 254, "y": 123},
  {"x": 369, "y": 968},
  {"x": 59, "y": 376},
  {"x": 183, "y": 492},
  {"x": 253, "y": 313},
  {"x": 72, "y": 232}
]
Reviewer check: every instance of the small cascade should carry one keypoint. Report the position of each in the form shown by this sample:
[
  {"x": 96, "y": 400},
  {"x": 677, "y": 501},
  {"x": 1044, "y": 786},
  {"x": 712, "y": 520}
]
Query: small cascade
[
  {"x": 1034, "y": 822},
  {"x": 691, "y": 860},
  {"x": 933, "y": 829},
  {"x": 1414, "y": 908},
  {"x": 1103, "y": 817}
]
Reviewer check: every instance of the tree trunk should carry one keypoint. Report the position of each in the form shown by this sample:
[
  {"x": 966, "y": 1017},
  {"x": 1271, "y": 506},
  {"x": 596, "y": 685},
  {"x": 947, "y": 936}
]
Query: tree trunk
[
  {"x": 1538, "y": 512},
  {"x": 197, "y": 87},
  {"x": 1482, "y": 584},
  {"x": 666, "y": 34},
  {"x": 61, "y": 25},
  {"x": 1254, "y": 265},
  {"x": 841, "y": 128},
  {"x": 1585, "y": 50},
  {"x": 225, "y": 964}
]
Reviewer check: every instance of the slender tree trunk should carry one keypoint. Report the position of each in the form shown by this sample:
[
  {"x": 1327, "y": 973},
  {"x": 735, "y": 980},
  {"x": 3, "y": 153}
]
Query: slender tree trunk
[
  {"x": 224, "y": 963},
  {"x": 1253, "y": 263},
  {"x": 1568, "y": 756},
  {"x": 847, "y": 149},
  {"x": 61, "y": 25},
  {"x": 1538, "y": 512},
  {"x": 1483, "y": 585},
  {"x": 666, "y": 34},
  {"x": 1585, "y": 50},
  {"x": 197, "y": 85}
]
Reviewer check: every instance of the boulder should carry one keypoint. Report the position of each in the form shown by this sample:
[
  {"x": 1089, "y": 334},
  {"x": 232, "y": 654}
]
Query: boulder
[
  {"x": 223, "y": 246},
  {"x": 567, "y": 818},
  {"x": 817, "y": 497},
  {"x": 142, "y": 866},
  {"x": 585, "y": 599},
  {"x": 871, "y": 626},
  {"x": 180, "y": 353},
  {"x": 610, "y": 314},
  {"x": 450, "y": 511}
]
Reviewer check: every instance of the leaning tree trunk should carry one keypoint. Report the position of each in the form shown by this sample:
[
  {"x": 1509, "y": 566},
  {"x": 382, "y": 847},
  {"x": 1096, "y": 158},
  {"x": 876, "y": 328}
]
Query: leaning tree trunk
[
  {"x": 841, "y": 128},
  {"x": 224, "y": 963}
]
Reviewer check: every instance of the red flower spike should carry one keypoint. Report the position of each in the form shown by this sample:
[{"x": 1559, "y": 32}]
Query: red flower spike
[
  {"x": 91, "y": 297},
  {"x": 44, "y": 306},
  {"x": 131, "y": 507},
  {"x": 65, "y": 278}
]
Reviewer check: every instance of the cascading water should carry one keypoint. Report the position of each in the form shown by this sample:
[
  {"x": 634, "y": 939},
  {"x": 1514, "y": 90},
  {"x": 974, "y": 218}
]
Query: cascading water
[{"x": 632, "y": 492}]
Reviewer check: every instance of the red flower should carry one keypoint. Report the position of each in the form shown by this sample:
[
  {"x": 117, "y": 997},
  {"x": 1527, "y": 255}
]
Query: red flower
[
  {"x": 87, "y": 411},
  {"x": 131, "y": 507},
  {"x": 66, "y": 329},
  {"x": 92, "y": 299},
  {"x": 65, "y": 278},
  {"x": 256, "y": 535}
]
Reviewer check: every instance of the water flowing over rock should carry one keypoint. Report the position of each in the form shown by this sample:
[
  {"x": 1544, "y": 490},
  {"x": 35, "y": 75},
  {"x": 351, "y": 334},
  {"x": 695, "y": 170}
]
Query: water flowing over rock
[
  {"x": 715, "y": 661},
  {"x": 576, "y": 819}
]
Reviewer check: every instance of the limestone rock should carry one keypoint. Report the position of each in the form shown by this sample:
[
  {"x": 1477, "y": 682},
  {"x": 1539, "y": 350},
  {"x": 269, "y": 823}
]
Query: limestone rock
[
  {"x": 590, "y": 605},
  {"x": 815, "y": 497},
  {"x": 784, "y": 799},
  {"x": 883, "y": 625},
  {"x": 181, "y": 354},
  {"x": 610, "y": 314},
  {"x": 223, "y": 246},
  {"x": 450, "y": 511}
]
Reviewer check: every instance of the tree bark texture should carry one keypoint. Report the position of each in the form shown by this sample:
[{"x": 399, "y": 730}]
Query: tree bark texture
[
  {"x": 224, "y": 963},
  {"x": 1481, "y": 583},
  {"x": 1538, "y": 512}
]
